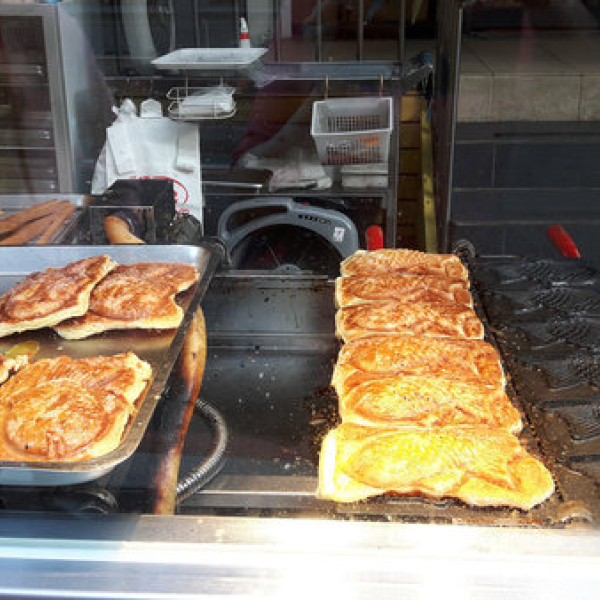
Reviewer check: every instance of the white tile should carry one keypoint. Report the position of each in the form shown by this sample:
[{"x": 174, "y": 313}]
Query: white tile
[
  {"x": 536, "y": 98},
  {"x": 471, "y": 64},
  {"x": 581, "y": 53},
  {"x": 520, "y": 55},
  {"x": 475, "y": 98}
]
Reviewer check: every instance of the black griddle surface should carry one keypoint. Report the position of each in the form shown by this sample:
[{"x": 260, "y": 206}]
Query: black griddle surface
[{"x": 268, "y": 373}]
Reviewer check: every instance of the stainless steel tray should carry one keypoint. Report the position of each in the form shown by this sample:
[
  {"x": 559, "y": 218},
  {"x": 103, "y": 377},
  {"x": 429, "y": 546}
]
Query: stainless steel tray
[
  {"x": 12, "y": 203},
  {"x": 191, "y": 59},
  {"x": 160, "y": 349}
]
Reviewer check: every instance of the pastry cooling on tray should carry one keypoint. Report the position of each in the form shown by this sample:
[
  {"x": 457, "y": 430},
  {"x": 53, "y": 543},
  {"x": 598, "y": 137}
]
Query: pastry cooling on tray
[
  {"x": 427, "y": 401},
  {"x": 439, "y": 319},
  {"x": 62, "y": 409},
  {"x": 466, "y": 360},
  {"x": 45, "y": 298},
  {"x": 481, "y": 466},
  {"x": 11, "y": 365},
  {"x": 138, "y": 296},
  {"x": 401, "y": 260},
  {"x": 400, "y": 287}
]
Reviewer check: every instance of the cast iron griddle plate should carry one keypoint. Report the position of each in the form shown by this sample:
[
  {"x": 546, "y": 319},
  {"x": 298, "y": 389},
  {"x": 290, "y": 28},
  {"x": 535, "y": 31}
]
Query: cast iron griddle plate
[{"x": 271, "y": 353}]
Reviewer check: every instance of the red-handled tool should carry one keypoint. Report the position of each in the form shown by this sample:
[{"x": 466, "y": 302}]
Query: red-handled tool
[
  {"x": 563, "y": 241},
  {"x": 374, "y": 237}
]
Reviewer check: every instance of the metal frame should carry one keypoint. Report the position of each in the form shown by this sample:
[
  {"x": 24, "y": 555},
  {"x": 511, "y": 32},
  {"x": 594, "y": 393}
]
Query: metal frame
[
  {"x": 204, "y": 556},
  {"x": 360, "y": 38},
  {"x": 446, "y": 83},
  {"x": 58, "y": 100},
  {"x": 55, "y": 77}
]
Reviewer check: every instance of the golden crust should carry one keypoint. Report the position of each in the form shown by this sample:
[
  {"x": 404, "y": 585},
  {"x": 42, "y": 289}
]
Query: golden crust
[
  {"x": 8, "y": 366},
  {"x": 421, "y": 395},
  {"x": 45, "y": 298},
  {"x": 405, "y": 288},
  {"x": 401, "y": 260},
  {"x": 427, "y": 401},
  {"x": 139, "y": 296},
  {"x": 62, "y": 409},
  {"x": 438, "y": 319},
  {"x": 465, "y": 360},
  {"x": 481, "y": 466}
]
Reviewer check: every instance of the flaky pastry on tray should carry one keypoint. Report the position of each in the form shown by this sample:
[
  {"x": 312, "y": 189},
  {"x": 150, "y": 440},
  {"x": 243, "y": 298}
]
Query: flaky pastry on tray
[
  {"x": 45, "y": 298},
  {"x": 62, "y": 409},
  {"x": 138, "y": 296},
  {"x": 402, "y": 260},
  {"x": 479, "y": 465},
  {"x": 11, "y": 364}
]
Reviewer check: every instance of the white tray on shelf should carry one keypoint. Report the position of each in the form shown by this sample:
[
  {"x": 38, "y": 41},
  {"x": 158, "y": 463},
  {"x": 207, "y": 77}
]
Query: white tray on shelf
[{"x": 209, "y": 58}]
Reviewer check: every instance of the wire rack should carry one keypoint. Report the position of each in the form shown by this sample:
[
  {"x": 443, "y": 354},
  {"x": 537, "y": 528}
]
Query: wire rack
[{"x": 200, "y": 103}]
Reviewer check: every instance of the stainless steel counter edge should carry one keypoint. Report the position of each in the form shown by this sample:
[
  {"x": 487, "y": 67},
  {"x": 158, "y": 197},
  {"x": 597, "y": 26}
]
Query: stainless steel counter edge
[{"x": 191, "y": 557}]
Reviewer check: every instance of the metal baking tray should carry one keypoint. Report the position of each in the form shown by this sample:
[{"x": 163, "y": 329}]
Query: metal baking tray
[
  {"x": 159, "y": 348},
  {"x": 13, "y": 203},
  {"x": 190, "y": 59}
]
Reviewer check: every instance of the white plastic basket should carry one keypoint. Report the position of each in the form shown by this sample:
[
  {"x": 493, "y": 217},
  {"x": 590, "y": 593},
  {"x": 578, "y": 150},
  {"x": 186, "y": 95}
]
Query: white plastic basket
[{"x": 352, "y": 130}]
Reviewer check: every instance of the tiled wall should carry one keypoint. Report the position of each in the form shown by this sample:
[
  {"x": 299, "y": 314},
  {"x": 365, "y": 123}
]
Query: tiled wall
[
  {"x": 527, "y": 150},
  {"x": 530, "y": 77},
  {"x": 513, "y": 180}
]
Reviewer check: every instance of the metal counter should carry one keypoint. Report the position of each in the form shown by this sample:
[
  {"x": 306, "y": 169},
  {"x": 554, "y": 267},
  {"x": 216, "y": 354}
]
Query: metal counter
[{"x": 192, "y": 557}]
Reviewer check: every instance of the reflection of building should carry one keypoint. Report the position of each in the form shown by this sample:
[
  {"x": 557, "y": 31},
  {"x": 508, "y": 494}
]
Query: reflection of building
[
  {"x": 527, "y": 133},
  {"x": 52, "y": 132}
]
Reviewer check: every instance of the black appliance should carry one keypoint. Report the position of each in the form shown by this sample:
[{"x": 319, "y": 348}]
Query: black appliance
[{"x": 294, "y": 242}]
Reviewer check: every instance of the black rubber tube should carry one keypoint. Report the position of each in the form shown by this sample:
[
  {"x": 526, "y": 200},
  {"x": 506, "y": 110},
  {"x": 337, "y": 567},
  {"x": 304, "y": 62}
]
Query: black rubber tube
[{"x": 213, "y": 463}]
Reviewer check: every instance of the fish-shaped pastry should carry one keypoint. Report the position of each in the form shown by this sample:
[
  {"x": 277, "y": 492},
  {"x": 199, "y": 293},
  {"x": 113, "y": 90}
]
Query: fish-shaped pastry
[
  {"x": 402, "y": 287},
  {"x": 136, "y": 296},
  {"x": 427, "y": 401},
  {"x": 463, "y": 360},
  {"x": 430, "y": 319},
  {"x": 482, "y": 466},
  {"x": 402, "y": 260}
]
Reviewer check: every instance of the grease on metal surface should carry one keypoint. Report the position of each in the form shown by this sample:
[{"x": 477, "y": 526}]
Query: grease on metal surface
[{"x": 29, "y": 348}]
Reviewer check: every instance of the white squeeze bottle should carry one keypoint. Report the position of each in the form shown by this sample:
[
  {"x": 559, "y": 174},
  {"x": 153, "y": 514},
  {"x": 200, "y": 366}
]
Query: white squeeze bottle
[{"x": 244, "y": 35}]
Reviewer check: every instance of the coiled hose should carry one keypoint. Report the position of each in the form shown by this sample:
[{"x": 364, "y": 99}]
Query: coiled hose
[{"x": 214, "y": 462}]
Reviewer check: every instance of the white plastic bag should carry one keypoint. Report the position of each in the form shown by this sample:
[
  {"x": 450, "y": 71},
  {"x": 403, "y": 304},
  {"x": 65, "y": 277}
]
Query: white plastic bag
[
  {"x": 207, "y": 103},
  {"x": 154, "y": 147}
]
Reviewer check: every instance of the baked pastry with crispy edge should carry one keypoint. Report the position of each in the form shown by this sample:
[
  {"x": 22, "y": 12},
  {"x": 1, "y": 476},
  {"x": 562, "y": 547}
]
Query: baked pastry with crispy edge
[
  {"x": 10, "y": 365},
  {"x": 45, "y": 298},
  {"x": 402, "y": 260},
  {"x": 401, "y": 287},
  {"x": 427, "y": 401},
  {"x": 439, "y": 319},
  {"x": 61, "y": 409},
  {"x": 481, "y": 466},
  {"x": 465, "y": 360},
  {"x": 137, "y": 296}
]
